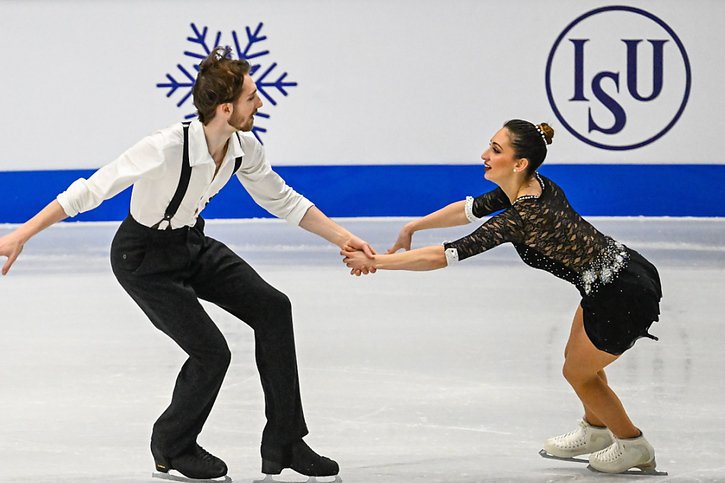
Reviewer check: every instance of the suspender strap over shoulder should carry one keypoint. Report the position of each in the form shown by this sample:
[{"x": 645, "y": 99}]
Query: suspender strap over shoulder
[
  {"x": 237, "y": 161},
  {"x": 183, "y": 183}
]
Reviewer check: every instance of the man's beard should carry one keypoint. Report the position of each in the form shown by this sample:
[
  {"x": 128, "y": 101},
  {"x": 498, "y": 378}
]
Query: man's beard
[{"x": 247, "y": 126}]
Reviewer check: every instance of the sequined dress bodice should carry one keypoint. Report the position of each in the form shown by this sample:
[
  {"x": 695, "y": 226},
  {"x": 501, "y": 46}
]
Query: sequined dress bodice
[{"x": 547, "y": 234}]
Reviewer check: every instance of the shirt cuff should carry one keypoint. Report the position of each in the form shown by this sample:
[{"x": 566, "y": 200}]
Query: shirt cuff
[
  {"x": 451, "y": 256},
  {"x": 70, "y": 199},
  {"x": 298, "y": 212},
  {"x": 469, "y": 210}
]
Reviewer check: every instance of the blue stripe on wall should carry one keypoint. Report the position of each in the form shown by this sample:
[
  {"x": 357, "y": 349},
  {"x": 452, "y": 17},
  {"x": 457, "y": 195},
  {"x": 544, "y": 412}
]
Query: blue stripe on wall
[{"x": 413, "y": 190}]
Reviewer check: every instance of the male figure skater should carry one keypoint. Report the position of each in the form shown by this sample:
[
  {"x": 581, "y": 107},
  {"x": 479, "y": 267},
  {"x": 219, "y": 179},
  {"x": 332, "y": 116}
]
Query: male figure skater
[{"x": 162, "y": 258}]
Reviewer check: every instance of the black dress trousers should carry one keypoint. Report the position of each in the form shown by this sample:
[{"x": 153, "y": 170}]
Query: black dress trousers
[{"x": 166, "y": 272}]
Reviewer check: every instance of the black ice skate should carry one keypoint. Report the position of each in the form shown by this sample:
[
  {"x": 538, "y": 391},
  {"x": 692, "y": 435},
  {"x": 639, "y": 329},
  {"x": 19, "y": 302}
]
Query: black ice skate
[
  {"x": 196, "y": 465},
  {"x": 301, "y": 458}
]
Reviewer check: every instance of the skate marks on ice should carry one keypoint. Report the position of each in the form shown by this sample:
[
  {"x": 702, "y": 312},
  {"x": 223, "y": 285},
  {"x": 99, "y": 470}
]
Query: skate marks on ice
[
  {"x": 631, "y": 471},
  {"x": 173, "y": 477},
  {"x": 296, "y": 478}
]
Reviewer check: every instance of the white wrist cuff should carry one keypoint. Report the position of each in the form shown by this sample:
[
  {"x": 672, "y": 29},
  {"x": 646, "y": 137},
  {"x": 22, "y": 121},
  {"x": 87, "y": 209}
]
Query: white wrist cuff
[
  {"x": 451, "y": 256},
  {"x": 469, "y": 210}
]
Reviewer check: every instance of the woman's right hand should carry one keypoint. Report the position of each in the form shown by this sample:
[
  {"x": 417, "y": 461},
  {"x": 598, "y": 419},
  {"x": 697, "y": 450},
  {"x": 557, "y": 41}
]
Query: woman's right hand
[
  {"x": 10, "y": 246},
  {"x": 405, "y": 239}
]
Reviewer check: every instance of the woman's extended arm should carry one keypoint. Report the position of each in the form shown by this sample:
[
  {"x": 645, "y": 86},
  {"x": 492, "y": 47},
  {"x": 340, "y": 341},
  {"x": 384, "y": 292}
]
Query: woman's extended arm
[
  {"x": 12, "y": 244},
  {"x": 420, "y": 259},
  {"x": 451, "y": 215}
]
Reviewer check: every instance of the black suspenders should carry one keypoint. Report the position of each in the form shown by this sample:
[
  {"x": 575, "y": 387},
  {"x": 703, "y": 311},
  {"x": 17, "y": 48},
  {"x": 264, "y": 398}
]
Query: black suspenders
[
  {"x": 237, "y": 161},
  {"x": 184, "y": 180}
]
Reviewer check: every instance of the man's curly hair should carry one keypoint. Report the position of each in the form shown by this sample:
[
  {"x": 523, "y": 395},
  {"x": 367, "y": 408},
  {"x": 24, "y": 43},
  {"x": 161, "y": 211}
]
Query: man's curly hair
[{"x": 219, "y": 81}]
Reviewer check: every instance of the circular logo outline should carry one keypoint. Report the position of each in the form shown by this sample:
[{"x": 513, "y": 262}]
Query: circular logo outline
[{"x": 658, "y": 21}]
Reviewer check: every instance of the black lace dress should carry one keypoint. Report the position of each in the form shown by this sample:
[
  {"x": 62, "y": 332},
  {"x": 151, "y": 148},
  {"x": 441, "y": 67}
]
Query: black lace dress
[{"x": 620, "y": 289}]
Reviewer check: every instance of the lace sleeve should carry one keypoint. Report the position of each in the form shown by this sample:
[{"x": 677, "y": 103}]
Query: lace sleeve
[
  {"x": 490, "y": 202},
  {"x": 502, "y": 228}
]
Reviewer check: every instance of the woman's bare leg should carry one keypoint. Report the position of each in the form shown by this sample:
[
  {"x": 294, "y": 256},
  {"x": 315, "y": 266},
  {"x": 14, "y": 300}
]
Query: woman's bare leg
[
  {"x": 584, "y": 370},
  {"x": 577, "y": 325}
]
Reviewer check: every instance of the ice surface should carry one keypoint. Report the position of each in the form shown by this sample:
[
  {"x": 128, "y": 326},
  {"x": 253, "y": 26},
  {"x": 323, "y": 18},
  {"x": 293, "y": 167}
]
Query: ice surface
[{"x": 447, "y": 376}]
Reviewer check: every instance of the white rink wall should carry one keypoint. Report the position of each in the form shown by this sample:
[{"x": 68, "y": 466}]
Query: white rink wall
[{"x": 379, "y": 82}]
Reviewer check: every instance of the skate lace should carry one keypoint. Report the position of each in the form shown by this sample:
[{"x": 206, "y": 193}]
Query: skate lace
[
  {"x": 573, "y": 438},
  {"x": 563, "y": 437},
  {"x": 612, "y": 453}
]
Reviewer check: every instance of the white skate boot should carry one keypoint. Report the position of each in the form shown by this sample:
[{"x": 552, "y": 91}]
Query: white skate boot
[
  {"x": 584, "y": 439},
  {"x": 625, "y": 454}
]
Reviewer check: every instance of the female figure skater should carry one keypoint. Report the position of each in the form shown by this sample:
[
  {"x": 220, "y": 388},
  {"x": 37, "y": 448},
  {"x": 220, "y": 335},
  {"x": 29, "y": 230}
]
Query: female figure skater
[{"x": 620, "y": 290}]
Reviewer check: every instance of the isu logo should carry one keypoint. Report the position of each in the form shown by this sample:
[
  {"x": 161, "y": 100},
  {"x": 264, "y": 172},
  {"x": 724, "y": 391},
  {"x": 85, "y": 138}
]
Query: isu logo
[{"x": 618, "y": 78}]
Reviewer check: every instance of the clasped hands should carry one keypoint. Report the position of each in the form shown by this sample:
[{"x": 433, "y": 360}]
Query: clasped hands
[{"x": 359, "y": 256}]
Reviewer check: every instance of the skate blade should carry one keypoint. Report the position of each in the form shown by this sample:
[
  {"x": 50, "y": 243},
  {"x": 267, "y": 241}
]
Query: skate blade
[
  {"x": 170, "y": 477},
  {"x": 632, "y": 471},
  {"x": 299, "y": 479},
  {"x": 546, "y": 455}
]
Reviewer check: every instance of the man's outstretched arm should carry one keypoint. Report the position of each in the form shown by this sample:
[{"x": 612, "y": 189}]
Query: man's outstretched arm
[
  {"x": 315, "y": 221},
  {"x": 12, "y": 244}
]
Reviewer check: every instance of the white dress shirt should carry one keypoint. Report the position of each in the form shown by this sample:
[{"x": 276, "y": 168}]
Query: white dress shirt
[{"x": 153, "y": 166}]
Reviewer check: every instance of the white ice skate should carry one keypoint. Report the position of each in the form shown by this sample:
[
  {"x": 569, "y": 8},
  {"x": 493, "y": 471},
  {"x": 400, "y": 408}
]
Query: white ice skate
[
  {"x": 625, "y": 454},
  {"x": 584, "y": 439}
]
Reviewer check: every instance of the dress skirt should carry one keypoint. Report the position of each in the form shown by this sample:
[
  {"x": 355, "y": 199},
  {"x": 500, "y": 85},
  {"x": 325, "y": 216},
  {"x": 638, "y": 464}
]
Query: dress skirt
[{"x": 620, "y": 312}]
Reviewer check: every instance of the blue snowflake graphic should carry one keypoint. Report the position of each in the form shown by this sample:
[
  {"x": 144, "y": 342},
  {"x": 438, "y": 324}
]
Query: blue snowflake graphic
[{"x": 269, "y": 83}]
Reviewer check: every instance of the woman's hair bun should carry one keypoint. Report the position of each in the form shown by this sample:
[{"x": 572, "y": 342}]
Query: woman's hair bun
[{"x": 548, "y": 132}]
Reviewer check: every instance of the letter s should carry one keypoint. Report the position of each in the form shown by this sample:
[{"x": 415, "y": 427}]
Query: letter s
[{"x": 620, "y": 117}]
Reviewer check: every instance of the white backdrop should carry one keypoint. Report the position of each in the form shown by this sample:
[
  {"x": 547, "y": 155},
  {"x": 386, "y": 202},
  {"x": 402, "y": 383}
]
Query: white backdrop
[{"x": 399, "y": 81}]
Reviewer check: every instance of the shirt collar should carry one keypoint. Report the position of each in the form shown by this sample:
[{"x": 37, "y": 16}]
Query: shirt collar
[{"x": 199, "y": 150}]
